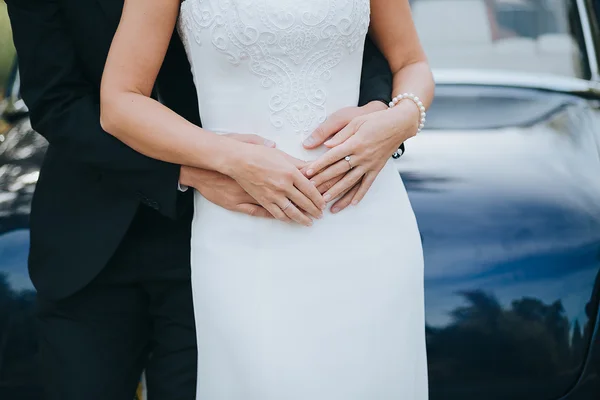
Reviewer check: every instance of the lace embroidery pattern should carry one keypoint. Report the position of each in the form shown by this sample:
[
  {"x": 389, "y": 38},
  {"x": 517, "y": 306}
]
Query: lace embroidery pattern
[{"x": 291, "y": 45}]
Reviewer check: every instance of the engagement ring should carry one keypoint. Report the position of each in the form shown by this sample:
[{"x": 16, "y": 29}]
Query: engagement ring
[{"x": 347, "y": 158}]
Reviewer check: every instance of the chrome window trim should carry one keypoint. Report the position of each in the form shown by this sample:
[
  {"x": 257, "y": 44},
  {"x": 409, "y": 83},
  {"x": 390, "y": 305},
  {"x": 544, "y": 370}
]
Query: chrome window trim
[
  {"x": 555, "y": 83},
  {"x": 588, "y": 38}
]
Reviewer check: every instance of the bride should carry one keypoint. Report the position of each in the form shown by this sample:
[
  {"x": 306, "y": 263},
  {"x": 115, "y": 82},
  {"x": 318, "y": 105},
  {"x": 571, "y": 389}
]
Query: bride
[{"x": 307, "y": 304}]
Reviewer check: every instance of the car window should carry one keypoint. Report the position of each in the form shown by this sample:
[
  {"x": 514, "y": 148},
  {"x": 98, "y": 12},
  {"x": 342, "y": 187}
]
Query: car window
[{"x": 536, "y": 36}]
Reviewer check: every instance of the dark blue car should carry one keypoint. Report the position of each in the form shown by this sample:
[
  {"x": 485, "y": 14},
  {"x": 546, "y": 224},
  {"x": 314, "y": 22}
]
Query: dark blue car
[{"x": 505, "y": 183}]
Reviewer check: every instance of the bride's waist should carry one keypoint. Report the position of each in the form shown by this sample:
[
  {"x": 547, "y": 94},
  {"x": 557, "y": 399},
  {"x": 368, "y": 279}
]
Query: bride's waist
[{"x": 386, "y": 204}]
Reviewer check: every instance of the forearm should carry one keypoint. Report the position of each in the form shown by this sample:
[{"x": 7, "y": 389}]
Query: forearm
[
  {"x": 394, "y": 32},
  {"x": 127, "y": 110},
  {"x": 71, "y": 123},
  {"x": 415, "y": 78},
  {"x": 157, "y": 132}
]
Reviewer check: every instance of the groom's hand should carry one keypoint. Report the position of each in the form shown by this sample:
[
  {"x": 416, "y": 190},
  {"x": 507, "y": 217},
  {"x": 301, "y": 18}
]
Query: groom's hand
[
  {"x": 223, "y": 190},
  {"x": 328, "y": 129}
]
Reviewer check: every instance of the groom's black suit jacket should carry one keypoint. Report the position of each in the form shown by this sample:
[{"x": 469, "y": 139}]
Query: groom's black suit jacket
[{"x": 91, "y": 184}]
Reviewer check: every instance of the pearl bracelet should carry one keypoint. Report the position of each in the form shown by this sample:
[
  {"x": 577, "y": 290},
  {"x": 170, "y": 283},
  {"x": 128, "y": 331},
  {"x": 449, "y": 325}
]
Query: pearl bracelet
[
  {"x": 418, "y": 103},
  {"x": 412, "y": 97}
]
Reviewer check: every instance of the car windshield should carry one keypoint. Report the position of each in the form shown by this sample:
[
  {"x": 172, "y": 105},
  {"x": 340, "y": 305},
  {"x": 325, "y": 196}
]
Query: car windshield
[{"x": 536, "y": 36}]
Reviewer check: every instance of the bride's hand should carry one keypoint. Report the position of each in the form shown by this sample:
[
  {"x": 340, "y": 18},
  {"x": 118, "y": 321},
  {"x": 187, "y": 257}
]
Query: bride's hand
[
  {"x": 369, "y": 141},
  {"x": 273, "y": 179}
]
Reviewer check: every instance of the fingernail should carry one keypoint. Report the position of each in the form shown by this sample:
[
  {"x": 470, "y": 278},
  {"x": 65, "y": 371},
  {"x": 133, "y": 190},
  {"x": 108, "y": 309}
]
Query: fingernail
[
  {"x": 320, "y": 216},
  {"x": 309, "y": 223},
  {"x": 269, "y": 143},
  {"x": 354, "y": 202},
  {"x": 310, "y": 171},
  {"x": 323, "y": 206},
  {"x": 335, "y": 210},
  {"x": 314, "y": 183},
  {"x": 327, "y": 197},
  {"x": 309, "y": 141}
]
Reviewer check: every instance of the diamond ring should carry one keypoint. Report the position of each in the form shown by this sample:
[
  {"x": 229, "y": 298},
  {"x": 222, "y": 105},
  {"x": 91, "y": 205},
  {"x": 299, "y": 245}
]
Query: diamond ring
[{"x": 347, "y": 158}]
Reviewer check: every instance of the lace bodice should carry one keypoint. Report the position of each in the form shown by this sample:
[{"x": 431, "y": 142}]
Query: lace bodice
[{"x": 286, "y": 62}]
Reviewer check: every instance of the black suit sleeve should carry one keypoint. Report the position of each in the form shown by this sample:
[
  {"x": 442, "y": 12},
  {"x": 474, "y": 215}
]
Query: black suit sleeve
[
  {"x": 376, "y": 81},
  {"x": 64, "y": 108},
  {"x": 376, "y": 78}
]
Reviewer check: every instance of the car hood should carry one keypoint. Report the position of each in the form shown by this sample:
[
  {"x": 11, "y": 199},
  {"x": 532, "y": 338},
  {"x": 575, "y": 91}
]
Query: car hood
[{"x": 510, "y": 223}]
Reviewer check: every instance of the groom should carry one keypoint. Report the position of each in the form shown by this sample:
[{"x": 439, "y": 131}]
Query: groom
[{"x": 110, "y": 230}]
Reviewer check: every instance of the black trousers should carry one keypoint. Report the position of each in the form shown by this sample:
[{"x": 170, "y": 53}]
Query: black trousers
[{"x": 136, "y": 315}]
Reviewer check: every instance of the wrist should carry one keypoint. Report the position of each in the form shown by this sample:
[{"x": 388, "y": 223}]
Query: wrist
[
  {"x": 230, "y": 161},
  {"x": 406, "y": 115},
  {"x": 196, "y": 178},
  {"x": 223, "y": 153},
  {"x": 185, "y": 176},
  {"x": 374, "y": 106}
]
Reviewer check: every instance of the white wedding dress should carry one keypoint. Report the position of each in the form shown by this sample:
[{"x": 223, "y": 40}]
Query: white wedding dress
[{"x": 286, "y": 312}]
